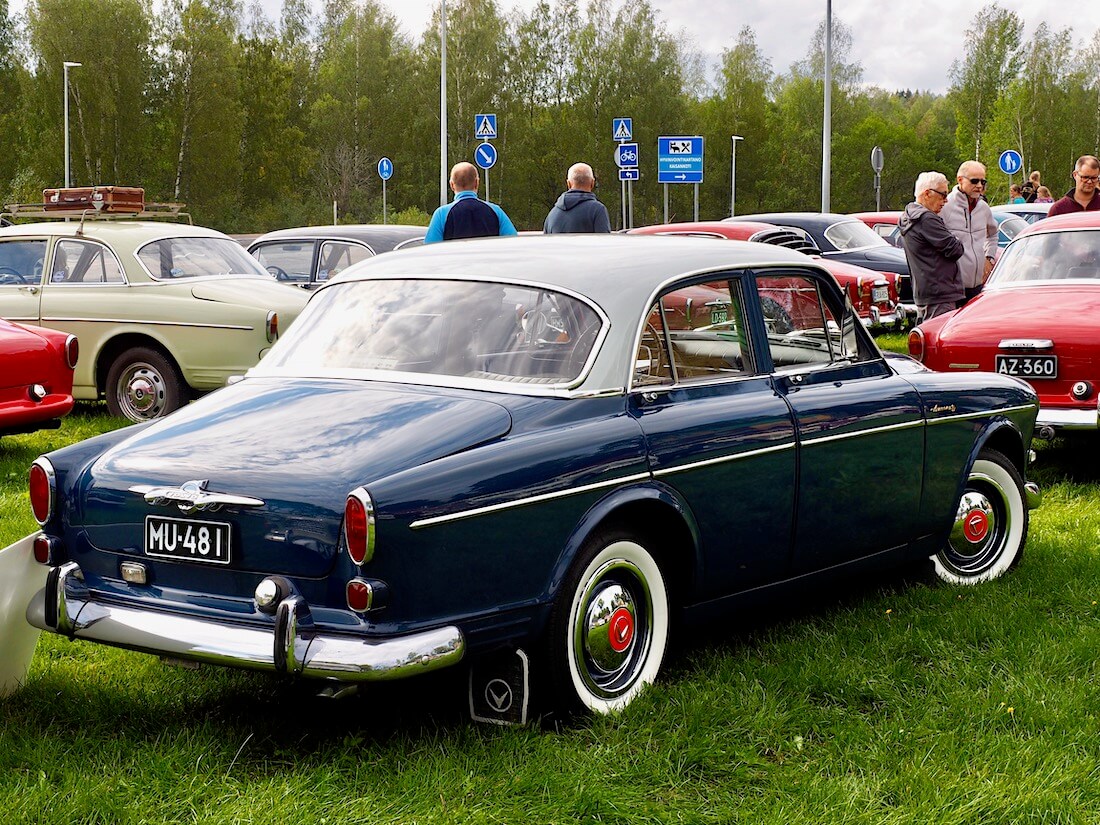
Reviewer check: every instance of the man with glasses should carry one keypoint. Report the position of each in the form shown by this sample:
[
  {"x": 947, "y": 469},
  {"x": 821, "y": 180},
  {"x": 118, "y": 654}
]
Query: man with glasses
[
  {"x": 968, "y": 217},
  {"x": 931, "y": 249},
  {"x": 1083, "y": 197}
]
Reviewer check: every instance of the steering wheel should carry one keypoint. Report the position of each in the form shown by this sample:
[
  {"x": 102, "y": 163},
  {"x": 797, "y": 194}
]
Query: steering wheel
[
  {"x": 279, "y": 273},
  {"x": 7, "y": 272}
]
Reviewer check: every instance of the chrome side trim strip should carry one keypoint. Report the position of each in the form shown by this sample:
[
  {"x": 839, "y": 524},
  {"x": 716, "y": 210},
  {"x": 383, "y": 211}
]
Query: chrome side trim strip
[
  {"x": 52, "y": 319},
  {"x": 523, "y": 502},
  {"x": 985, "y": 414},
  {"x": 723, "y": 459},
  {"x": 347, "y": 658},
  {"x": 905, "y": 425}
]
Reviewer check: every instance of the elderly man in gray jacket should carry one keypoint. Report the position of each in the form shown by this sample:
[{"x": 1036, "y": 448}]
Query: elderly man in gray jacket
[
  {"x": 968, "y": 217},
  {"x": 930, "y": 249}
]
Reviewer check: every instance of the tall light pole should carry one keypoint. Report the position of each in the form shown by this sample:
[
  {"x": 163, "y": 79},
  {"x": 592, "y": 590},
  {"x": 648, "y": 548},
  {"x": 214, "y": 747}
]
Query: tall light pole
[
  {"x": 733, "y": 173},
  {"x": 827, "y": 126},
  {"x": 443, "y": 103},
  {"x": 65, "y": 74}
]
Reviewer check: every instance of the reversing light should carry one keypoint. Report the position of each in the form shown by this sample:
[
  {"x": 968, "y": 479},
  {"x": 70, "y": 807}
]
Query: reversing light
[
  {"x": 42, "y": 484},
  {"x": 359, "y": 525},
  {"x": 72, "y": 351},
  {"x": 360, "y": 595},
  {"x": 1081, "y": 390},
  {"x": 43, "y": 550},
  {"x": 916, "y": 343},
  {"x": 272, "y": 327},
  {"x": 36, "y": 392}
]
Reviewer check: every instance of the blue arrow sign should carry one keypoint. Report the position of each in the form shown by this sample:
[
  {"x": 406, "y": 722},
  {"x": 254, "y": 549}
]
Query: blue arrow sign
[
  {"x": 622, "y": 128},
  {"x": 1010, "y": 161},
  {"x": 626, "y": 155},
  {"x": 385, "y": 168},
  {"x": 486, "y": 155},
  {"x": 628, "y": 174},
  {"x": 680, "y": 159},
  {"x": 485, "y": 127}
]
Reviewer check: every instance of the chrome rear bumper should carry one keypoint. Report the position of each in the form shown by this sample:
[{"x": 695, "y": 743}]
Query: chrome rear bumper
[
  {"x": 66, "y": 606},
  {"x": 1060, "y": 418}
]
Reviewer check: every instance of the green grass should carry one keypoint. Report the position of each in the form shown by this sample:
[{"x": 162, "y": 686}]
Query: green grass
[{"x": 888, "y": 702}]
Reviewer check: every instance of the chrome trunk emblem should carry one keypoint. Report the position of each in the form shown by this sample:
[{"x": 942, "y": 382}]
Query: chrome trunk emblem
[{"x": 193, "y": 497}]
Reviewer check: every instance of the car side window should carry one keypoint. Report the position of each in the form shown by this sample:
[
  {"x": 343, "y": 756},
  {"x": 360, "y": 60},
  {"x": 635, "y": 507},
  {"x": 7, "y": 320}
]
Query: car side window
[
  {"x": 286, "y": 260},
  {"x": 21, "y": 262},
  {"x": 802, "y": 328},
  {"x": 84, "y": 262},
  {"x": 336, "y": 256},
  {"x": 693, "y": 333}
]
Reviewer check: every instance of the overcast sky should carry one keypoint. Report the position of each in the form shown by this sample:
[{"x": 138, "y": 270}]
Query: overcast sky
[{"x": 900, "y": 43}]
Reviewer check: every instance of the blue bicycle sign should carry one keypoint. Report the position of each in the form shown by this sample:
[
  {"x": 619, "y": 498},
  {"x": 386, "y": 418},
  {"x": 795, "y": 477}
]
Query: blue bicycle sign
[{"x": 626, "y": 155}]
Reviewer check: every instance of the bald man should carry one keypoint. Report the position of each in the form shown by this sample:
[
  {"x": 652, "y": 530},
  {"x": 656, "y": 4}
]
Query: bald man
[
  {"x": 467, "y": 216},
  {"x": 577, "y": 209}
]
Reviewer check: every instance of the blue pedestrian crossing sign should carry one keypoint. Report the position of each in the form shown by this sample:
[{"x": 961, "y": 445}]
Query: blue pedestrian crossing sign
[
  {"x": 622, "y": 128},
  {"x": 1010, "y": 162},
  {"x": 385, "y": 168},
  {"x": 485, "y": 155},
  {"x": 485, "y": 127}
]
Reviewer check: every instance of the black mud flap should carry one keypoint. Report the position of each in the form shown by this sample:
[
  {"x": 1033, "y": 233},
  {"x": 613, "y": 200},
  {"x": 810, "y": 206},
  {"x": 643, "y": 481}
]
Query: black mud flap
[{"x": 500, "y": 688}]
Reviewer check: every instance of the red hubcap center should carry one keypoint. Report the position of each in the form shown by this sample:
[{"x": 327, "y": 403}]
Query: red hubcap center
[
  {"x": 620, "y": 630},
  {"x": 976, "y": 526}
]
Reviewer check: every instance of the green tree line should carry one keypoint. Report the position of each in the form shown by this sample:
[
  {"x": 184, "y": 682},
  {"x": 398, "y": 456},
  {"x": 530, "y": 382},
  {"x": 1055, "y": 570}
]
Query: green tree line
[{"x": 258, "y": 124}]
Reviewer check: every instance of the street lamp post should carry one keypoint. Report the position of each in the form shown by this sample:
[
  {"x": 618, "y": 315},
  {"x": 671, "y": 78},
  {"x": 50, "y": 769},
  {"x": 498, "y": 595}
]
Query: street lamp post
[
  {"x": 443, "y": 103},
  {"x": 65, "y": 73},
  {"x": 733, "y": 173}
]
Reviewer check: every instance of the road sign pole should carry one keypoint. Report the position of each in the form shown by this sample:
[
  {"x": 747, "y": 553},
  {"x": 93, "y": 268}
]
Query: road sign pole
[
  {"x": 486, "y": 184},
  {"x": 630, "y": 200},
  {"x": 384, "y": 221},
  {"x": 696, "y": 210},
  {"x": 622, "y": 204},
  {"x": 666, "y": 203}
]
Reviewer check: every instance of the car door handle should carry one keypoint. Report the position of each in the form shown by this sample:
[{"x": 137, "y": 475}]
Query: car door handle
[{"x": 33, "y": 290}]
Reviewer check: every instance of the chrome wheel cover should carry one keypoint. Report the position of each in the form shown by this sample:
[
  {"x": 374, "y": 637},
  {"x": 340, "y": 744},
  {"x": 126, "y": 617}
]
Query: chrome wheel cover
[
  {"x": 983, "y": 522},
  {"x": 141, "y": 392}
]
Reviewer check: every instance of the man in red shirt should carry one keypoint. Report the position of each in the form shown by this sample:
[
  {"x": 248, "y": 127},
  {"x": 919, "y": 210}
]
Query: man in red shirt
[{"x": 1084, "y": 197}]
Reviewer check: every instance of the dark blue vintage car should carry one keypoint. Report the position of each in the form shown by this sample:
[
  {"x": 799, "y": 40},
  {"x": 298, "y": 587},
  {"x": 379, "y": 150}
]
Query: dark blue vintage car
[{"x": 542, "y": 444}]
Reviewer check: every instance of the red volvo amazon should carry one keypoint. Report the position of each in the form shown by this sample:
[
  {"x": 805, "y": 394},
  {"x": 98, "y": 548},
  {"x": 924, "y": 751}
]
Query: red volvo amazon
[
  {"x": 36, "y": 377},
  {"x": 1038, "y": 318}
]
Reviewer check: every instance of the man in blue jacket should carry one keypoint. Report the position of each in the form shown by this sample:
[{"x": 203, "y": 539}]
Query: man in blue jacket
[
  {"x": 467, "y": 216},
  {"x": 577, "y": 209}
]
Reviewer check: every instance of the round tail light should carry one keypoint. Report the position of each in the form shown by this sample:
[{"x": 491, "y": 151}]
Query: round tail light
[
  {"x": 272, "y": 327},
  {"x": 42, "y": 484},
  {"x": 72, "y": 351},
  {"x": 359, "y": 526},
  {"x": 360, "y": 595},
  {"x": 916, "y": 343}
]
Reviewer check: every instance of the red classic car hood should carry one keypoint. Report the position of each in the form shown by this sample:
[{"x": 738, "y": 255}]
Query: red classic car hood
[
  {"x": 300, "y": 446},
  {"x": 1047, "y": 311}
]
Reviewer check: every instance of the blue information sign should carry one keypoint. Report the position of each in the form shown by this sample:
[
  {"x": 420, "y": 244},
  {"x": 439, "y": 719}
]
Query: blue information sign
[
  {"x": 485, "y": 155},
  {"x": 628, "y": 174},
  {"x": 626, "y": 155},
  {"x": 485, "y": 127},
  {"x": 680, "y": 159},
  {"x": 385, "y": 168},
  {"x": 1010, "y": 162},
  {"x": 622, "y": 128}
]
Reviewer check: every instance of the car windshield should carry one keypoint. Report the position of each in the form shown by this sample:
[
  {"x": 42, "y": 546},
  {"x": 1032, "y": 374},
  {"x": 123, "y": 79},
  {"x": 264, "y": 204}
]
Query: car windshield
[
  {"x": 1050, "y": 256},
  {"x": 491, "y": 331},
  {"x": 174, "y": 258},
  {"x": 853, "y": 234}
]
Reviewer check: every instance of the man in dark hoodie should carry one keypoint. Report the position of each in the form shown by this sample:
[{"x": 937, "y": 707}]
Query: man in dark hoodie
[
  {"x": 577, "y": 209},
  {"x": 931, "y": 249}
]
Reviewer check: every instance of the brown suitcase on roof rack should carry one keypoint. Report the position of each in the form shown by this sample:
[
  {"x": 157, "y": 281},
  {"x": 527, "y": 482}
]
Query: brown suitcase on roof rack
[{"x": 115, "y": 200}]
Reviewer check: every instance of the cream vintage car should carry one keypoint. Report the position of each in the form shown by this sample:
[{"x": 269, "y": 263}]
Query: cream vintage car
[{"x": 163, "y": 311}]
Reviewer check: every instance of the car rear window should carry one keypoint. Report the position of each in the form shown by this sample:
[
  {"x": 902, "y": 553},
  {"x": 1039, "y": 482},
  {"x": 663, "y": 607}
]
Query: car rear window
[
  {"x": 1050, "y": 256},
  {"x": 509, "y": 333},
  {"x": 175, "y": 258}
]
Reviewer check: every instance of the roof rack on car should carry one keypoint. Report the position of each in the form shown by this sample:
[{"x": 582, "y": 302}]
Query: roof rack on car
[{"x": 151, "y": 211}]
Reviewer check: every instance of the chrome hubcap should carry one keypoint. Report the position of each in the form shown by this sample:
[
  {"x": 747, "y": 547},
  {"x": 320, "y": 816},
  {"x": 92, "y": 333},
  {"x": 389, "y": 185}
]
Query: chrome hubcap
[
  {"x": 982, "y": 524},
  {"x": 613, "y": 629},
  {"x": 141, "y": 392}
]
